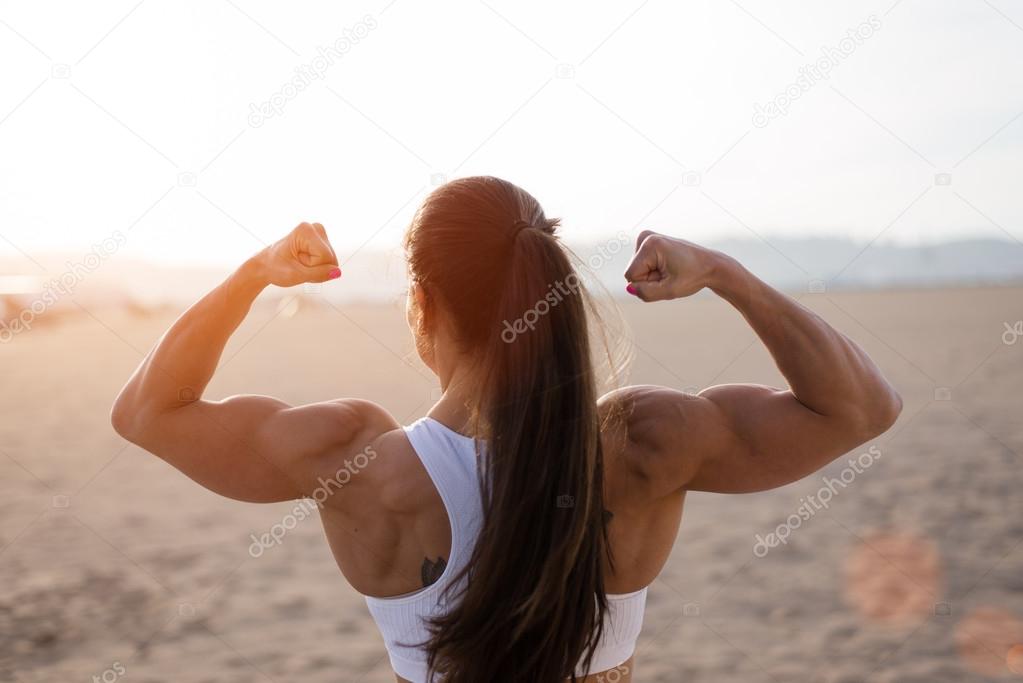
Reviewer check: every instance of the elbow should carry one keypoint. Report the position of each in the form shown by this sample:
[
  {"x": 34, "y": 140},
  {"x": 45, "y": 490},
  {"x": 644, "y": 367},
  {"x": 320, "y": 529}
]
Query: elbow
[
  {"x": 891, "y": 410},
  {"x": 121, "y": 420},
  {"x": 881, "y": 413},
  {"x": 124, "y": 418}
]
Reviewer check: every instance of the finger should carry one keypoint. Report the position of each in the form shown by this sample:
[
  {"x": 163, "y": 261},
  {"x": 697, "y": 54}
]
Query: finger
[
  {"x": 317, "y": 252},
  {"x": 649, "y": 290},
  {"x": 298, "y": 243},
  {"x": 323, "y": 273},
  {"x": 642, "y": 237},
  {"x": 323, "y": 233},
  {"x": 643, "y": 265}
]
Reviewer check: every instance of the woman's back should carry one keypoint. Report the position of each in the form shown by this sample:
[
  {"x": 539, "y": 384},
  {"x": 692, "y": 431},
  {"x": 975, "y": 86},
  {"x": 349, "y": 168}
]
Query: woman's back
[
  {"x": 442, "y": 519},
  {"x": 396, "y": 550}
]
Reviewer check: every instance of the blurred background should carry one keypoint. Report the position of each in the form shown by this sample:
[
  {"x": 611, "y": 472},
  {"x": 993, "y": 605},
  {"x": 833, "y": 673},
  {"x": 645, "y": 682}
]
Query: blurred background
[{"x": 864, "y": 157}]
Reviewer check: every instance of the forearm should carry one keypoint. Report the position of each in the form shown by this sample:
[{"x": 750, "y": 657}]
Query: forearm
[
  {"x": 178, "y": 369},
  {"x": 737, "y": 438},
  {"x": 826, "y": 371}
]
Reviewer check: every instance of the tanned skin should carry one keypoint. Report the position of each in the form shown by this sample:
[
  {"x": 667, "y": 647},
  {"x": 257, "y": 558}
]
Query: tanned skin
[{"x": 387, "y": 526}]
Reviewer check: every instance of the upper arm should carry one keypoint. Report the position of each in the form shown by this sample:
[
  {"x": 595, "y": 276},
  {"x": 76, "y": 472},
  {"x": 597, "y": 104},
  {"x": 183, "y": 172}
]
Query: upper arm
[
  {"x": 260, "y": 449},
  {"x": 733, "y": 438}
]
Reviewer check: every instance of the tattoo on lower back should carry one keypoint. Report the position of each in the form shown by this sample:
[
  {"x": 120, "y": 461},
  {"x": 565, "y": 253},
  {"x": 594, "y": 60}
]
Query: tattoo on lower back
[{"x": 431, "y": 570}]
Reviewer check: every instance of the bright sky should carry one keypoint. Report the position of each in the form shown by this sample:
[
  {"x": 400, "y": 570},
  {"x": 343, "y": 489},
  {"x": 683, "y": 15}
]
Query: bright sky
[{"x": 138, "y": 117}]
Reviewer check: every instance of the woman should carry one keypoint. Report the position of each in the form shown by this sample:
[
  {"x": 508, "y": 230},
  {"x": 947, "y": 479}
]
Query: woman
[{"x": 510, "y": 535}]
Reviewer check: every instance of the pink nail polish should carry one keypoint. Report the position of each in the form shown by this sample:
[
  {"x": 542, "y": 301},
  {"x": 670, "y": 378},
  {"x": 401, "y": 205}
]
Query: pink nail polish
[
  {"x": 334, "y": 274},
  {"x": 630, "y": 289}
]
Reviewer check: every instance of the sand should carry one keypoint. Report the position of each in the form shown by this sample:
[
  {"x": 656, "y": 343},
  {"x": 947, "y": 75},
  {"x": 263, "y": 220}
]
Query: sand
[{"x": 114, "y": 565}]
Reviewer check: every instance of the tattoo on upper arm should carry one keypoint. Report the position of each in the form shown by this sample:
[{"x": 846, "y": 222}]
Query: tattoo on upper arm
[{"x": 431, "y": 570}]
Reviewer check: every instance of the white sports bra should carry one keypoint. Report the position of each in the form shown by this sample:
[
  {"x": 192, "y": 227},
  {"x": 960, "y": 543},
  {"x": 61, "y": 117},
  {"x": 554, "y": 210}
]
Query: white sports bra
[{"x": 450, "y": 460}]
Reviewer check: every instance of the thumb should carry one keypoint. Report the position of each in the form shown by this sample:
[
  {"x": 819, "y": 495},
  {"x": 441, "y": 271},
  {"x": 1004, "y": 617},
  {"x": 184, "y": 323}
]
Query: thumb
[
  {"x": 649, "y": 290},
  {"x": 323, "y": 273}
]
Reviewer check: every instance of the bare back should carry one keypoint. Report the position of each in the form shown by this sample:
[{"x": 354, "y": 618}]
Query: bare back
[{"x": 402, "y": 535}]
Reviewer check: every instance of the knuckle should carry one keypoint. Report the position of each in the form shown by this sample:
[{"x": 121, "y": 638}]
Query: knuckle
[
  {"x": 644, "y": 236},
  {"x": 655, "y": 241}
]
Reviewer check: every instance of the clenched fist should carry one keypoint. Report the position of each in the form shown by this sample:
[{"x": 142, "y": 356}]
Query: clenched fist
[
  {"x": 669, "y": 268},
  {"x": 304, "y": 255}
]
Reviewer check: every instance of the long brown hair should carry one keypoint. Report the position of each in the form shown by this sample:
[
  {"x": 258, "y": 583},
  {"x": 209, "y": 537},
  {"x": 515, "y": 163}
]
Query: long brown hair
[{"x": 533, "y": 602}]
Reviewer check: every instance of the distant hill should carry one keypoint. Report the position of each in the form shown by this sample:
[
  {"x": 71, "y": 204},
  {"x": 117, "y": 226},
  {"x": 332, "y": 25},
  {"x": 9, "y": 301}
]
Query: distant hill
[
  {"x": 846, "y": 264},
  {"x": 805, "y": 264},
  {"x": 377, "y": 275}
]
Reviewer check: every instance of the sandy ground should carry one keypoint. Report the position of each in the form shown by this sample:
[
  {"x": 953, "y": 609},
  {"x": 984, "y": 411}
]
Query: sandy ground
[{"x": 114, "y": 565}]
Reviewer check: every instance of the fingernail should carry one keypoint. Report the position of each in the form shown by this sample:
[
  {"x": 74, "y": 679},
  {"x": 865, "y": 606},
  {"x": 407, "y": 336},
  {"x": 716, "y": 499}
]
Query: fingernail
[
  {"x": 630, "y": 289},
  {"x": 334, "y": 274}
]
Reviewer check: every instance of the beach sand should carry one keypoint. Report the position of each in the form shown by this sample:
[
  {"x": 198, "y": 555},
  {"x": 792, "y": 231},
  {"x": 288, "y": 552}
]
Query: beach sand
[{"x": 114, "y": 565}]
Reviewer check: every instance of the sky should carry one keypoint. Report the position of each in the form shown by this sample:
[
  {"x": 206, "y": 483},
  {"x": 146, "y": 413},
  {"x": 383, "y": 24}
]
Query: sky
[{"x": 201, "y": 131}]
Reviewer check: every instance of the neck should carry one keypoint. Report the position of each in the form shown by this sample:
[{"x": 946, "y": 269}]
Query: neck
[{"x": 454, "y": 409}]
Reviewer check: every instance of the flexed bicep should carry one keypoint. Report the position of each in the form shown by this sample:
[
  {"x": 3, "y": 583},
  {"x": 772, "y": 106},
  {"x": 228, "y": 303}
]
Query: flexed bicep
[
  {"x": 259, "y": 449},
  {"x": 733, "y": 438},
  {"x": 766, "y": 438},
  {"x": 747, "y": 437}
]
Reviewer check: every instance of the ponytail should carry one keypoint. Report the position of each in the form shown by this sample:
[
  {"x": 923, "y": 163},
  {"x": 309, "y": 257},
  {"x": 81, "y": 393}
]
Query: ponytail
[{"x": 533, "y": 602}]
